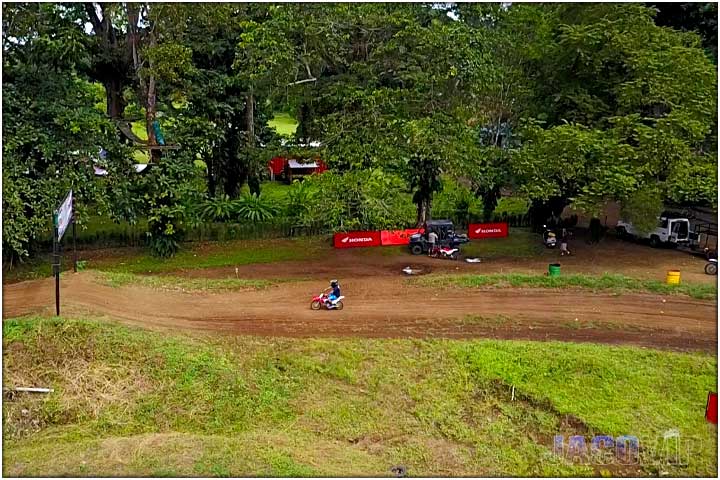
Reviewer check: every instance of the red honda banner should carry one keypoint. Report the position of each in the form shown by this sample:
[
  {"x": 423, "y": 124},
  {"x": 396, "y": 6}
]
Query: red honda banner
[
  {"x": 487, "y": 230},
  {"x": 397, "y": 237},
  {"x": 356, "y": 239},
  {"x": 711, "y": 408}
]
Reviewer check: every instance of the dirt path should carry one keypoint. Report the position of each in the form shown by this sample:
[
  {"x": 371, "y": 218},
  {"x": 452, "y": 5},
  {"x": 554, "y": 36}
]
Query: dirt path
[{"x": 387, "y": 306}]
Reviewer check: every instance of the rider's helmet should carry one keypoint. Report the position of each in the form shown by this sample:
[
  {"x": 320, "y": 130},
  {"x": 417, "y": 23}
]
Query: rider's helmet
[{"x": 333, "y": 283}]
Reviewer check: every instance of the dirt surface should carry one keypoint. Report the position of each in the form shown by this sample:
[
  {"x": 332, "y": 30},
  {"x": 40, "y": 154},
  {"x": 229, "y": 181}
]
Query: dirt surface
[
  {"x": 610, "y": 256},
  {"x": 381, "y": 303}
]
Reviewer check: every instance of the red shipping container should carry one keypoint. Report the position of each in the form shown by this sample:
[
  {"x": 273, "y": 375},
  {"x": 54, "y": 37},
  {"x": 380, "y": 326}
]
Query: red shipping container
[
  {"x": 711, "y": 408},
  {"x": 488, "y": 230},
  {"x": 397, "y": 237},
  {"x": 356, "y": 239}
]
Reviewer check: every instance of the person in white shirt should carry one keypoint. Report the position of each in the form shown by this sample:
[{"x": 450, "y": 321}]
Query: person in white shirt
[{"x": 432, "y": 240}]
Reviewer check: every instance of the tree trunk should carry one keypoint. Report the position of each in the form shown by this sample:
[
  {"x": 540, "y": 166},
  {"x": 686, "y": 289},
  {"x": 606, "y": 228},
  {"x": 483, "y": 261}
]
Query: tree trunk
[
  {"x": 250, "y": 118},
  {"x": 253, "y": 181},
  {"x": 254, "y": 185},
  {"x": 115, "y": 100},
  {"x": 423, "y": 211},
  {"x": 150, "y": 116},
  {"x": 146, "y": 86},
  {"x": 211, "y": 182},
  {"x": 490, "y": 201}
]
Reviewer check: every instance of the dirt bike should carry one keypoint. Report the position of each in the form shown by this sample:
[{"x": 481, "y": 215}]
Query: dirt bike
[
  {"x": 445, "y": 252},
  {"x": 549, "y": 238},
  {"x": 322, "y": 300}
]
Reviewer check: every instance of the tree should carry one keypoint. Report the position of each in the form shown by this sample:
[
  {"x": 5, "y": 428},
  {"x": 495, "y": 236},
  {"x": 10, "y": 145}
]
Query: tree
[
  {"x": 626, "y": 105},
  {"x": 52, "y": 130},
  {"x": 691, "y": 16}
]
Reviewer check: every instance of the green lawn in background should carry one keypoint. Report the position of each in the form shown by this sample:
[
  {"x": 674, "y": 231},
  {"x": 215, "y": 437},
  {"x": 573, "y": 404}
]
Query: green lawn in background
[
  {"x": 140, "y": 155},
  {"x": 521, "y": 242},
  {"x": 283, "y": 124}
]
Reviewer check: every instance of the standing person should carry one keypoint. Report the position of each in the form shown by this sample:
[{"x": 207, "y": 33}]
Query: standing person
[
  {"x": 432, "y": 241},
  {"x": 564, "y": 243}
]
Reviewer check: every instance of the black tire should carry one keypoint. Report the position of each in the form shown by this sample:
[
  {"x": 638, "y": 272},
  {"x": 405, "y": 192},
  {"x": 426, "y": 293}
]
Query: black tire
[
  {"x": 655, "y": 241},
  {"x": 622, "y": 233},
  {"x": 455, "y": 256},
  {"x": 315, "y": 305},
  {"x": 339, "y": 305},
  {"x": 416, "y": 250},
  {"x": 711, "y": 269}
]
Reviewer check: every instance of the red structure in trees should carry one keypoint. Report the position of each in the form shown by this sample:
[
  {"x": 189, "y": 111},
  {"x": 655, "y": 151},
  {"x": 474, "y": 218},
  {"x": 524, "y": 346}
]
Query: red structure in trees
[{"x": 290, "y": 169}]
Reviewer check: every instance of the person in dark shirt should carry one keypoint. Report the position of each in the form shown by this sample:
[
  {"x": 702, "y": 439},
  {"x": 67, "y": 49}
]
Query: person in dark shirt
[{"x": 334, "y": 290}]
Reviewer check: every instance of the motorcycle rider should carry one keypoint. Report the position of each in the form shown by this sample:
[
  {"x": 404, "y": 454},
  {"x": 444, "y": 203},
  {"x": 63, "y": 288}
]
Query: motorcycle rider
[{"x": 334, "y": 294}]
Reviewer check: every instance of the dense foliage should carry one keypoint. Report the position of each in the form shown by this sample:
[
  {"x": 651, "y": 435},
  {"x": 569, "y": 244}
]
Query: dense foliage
[{"x": 559, "y": 103}]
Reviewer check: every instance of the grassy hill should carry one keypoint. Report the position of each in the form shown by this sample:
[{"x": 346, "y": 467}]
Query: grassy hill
[{"x": 132, "y": 402}]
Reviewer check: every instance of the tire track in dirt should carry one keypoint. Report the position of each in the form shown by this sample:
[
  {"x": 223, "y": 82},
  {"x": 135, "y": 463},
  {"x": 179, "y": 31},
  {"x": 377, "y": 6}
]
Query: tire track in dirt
[{"x": 386, "y": 306}]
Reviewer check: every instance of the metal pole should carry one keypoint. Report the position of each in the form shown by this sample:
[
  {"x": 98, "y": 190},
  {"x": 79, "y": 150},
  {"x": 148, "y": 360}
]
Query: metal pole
[
  {"x": 74, "y": 244},
  {"x": 56, "y": 269}
]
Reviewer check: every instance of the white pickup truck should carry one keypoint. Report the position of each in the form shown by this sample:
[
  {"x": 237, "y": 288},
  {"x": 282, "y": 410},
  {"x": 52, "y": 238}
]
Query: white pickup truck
[{"x": 669, "y": 230}]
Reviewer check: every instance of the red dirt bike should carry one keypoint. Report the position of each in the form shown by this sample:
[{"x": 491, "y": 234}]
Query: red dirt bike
[
  {"x": 322, "y": 300},
  {"x": 445, "y": 252}
]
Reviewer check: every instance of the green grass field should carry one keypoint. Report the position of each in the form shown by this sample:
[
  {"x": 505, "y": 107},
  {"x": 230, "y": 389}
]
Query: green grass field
[
  {"x": 238, "y": 252},
  {"x": 118, "y": 279},
  {"x": 131, "y": 402},
  {"x": 521, "y": 242},
  {"x": 283, "y": 124},
  {"x": 192, "y": 256},
  {"x": 607, "y": 282}
]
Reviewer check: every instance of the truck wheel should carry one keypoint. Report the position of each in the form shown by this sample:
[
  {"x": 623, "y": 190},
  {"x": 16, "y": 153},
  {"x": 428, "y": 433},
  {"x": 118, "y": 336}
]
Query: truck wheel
[
  {"x": 622, "y": 233},
  {"x": 416, "y": 249},
  {"x": 711, "y": 269},
  {"x": 655, "y": 241}
]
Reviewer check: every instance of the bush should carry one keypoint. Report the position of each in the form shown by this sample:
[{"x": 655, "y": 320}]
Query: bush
[
  {"x": 512, "y": 206},
  {"x": 254, "y": 208},
  {"x": 356, "y": 200},
  {"x": 218, "y": 209},
  {"x": 456, "y": 202},
  {"x": 642, "y": 209},
  {"x": 248, "y": 207}
]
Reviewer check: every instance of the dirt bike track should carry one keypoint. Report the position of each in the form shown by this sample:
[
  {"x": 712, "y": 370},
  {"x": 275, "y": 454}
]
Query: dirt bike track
[{"x": 381, "y": 302}]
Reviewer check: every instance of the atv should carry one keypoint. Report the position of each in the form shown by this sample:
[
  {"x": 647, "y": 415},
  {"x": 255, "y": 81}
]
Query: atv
[{"x": 446, "y": 237}]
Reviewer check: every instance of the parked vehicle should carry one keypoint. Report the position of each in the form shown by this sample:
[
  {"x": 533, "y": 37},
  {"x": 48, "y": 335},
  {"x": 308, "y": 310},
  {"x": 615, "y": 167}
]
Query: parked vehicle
[
  {"x": 704, "y": 237},
  {"x": 712, "y": 267},
  {"x": 549, "y": 237},
  {"x": 445, "y": 252},
  {"x": 670, "y": 230},
  {"x": 446, "y": 237},
  {"x": 321, "y": 300}
]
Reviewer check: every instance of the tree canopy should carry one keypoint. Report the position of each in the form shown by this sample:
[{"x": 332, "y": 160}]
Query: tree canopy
[{"x": 560, "y": 103}]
